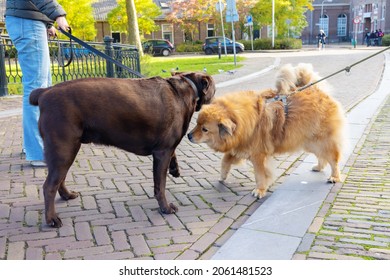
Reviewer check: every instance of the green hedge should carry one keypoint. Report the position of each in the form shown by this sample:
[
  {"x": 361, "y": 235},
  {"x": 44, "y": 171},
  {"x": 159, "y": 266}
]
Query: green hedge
[
  {"x": 386, "y": 40},
  {"x": 258, "y": 44},
  {"x": 189, "y": 47},
  {"x": 266, "y": 44}
]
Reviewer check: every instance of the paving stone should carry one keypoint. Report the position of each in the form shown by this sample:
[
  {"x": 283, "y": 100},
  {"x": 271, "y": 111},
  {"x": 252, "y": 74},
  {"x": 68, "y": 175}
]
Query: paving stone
[
  {"x": 101, "y": 235},
  {"x": 140, "y": 246},
  {"x": 2, "y": 247},
  {"x": 120, "y": 241},
  {"x": 326, "y": 256},
  {"x": 16, "y": 250},
  {"x": 83, "y": 231},
  {"x": 34, "y": 254},
  {"x": 90, "y": 251}
]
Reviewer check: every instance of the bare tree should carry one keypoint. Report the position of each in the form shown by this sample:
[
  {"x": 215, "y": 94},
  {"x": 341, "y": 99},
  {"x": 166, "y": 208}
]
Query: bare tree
[{"x": 132, "y": 27}]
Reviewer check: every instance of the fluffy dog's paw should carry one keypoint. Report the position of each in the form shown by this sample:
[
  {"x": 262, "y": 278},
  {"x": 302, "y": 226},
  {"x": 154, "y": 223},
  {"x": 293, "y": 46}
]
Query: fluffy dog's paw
[
  {"x": 259, "y": 193},
  {"x": 316, "y": 168},
  {"x": 334, "y": 180},
  {"x": 223, "y": 177}
]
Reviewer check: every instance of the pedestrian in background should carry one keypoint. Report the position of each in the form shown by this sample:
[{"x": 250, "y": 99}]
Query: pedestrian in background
[
  {"x": 321, "y": 39},
  {"x": 29, "y": 23},
  {"x": 380, "y": 36}
]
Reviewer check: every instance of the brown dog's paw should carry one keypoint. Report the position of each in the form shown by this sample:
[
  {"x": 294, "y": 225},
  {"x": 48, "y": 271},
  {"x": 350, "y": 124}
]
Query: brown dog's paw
[
  {"x": 171, "y": 209},
  {"x": 174, "y": 172},
  {"x": 68, "y": 195},
  {"x": 259, "y": 193},
  {"x": 54, "y": 222}
]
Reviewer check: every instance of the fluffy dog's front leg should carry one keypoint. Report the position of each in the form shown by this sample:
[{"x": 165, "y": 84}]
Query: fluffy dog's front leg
[
  {"x": 263, "y": 175},
  {"x": 227, "y": 161}
]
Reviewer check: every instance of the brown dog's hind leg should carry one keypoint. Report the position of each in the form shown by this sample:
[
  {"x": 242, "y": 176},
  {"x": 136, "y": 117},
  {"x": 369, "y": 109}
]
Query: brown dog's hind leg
[
  {"x": 58, "y": 163},
  {"x": 161, "y": 160},
  {"x": 49, "y": 193},
  {"x": 174, "y": 166}
]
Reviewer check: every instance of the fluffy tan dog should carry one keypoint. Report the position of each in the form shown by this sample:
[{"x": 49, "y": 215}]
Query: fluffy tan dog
[{"x": 244, "y": 125}]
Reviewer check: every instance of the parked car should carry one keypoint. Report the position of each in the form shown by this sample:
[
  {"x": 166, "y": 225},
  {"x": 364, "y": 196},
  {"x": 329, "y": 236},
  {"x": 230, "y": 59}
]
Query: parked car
[
  {"x": 158, "y": 47},
  {"x": 211, "y": 45}
]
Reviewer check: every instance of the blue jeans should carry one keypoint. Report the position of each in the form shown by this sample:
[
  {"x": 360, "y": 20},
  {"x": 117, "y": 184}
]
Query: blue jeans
[{"x": 30, "y": 40}]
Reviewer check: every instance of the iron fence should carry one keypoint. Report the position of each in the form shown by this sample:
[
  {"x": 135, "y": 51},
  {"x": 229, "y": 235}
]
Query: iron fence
[{"x": 85, "y": 63}]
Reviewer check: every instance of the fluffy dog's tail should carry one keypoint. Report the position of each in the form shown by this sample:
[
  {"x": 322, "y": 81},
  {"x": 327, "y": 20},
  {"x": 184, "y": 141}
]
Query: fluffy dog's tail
[
  {"x": 35, "y": 95},
  {"x": 290, "y": 78}
]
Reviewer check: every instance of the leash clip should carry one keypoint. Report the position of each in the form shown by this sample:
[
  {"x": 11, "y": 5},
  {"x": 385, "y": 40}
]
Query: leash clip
[{"x": 348, "y": 70}]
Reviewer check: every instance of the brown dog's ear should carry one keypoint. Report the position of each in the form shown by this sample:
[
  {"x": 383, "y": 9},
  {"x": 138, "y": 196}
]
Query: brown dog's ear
[
  {"x": 175, "y": 73},
  {"x": 226, "y": 127},
  {"x": 207, "y": 85}
]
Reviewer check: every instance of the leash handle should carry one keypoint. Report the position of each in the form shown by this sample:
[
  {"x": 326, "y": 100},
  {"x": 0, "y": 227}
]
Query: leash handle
[{"x": 60, "y": 56}]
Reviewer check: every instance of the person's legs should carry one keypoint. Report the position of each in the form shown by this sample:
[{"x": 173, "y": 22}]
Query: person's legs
[{"x": 30, "y": 40}]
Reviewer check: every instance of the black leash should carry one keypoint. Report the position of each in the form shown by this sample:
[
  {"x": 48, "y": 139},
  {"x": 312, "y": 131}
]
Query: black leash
[
  {"x": 99, "y": 53},
  {"x": 347, "y": 69},
  {"x": 60, "y": 55}
]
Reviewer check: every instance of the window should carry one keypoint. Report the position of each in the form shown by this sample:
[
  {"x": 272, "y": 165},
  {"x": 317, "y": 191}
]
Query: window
[
  {"x": 324, "y": 24},
  {"x": 368, "y": 8},
  {"x": 342, "y": 25},
  {"x": 210, "y": 30},
  {"x": 167, "y": 32},
  {"x": 383, "y": 12}
]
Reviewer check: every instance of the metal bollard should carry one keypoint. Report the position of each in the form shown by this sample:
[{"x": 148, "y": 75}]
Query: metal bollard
[
  {"x": 219, "y": 48},
  {"x": 3, "y": 77},
  {"x": 109, "y": 50}
]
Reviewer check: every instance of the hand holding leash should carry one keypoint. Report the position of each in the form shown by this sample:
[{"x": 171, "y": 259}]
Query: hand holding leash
[{"x": 62, "y": 23}]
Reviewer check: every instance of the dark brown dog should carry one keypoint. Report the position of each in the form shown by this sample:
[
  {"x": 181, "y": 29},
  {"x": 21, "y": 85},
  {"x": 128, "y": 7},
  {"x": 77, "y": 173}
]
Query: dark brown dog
[{"x": 142, "y": 116}]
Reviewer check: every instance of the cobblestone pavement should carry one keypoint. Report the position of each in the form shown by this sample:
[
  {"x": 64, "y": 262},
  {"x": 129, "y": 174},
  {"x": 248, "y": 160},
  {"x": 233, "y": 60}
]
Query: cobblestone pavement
[
  {"x": 116, "y": 216},
  {"x": 354, "y": 221}
]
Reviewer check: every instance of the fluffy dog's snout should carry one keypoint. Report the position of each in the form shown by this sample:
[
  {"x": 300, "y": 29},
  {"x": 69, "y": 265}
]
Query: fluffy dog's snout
[{"x": 189, "y": 135}]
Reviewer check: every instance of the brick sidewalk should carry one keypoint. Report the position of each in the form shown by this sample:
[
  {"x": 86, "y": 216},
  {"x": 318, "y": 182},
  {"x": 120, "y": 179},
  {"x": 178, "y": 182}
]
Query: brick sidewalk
[
  {"x": 354, "y": 221},
  {"x": 116, "y": 215}
]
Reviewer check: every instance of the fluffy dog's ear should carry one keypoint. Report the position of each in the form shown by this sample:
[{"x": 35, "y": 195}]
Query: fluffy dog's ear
[{"x": 226, "y": 127}]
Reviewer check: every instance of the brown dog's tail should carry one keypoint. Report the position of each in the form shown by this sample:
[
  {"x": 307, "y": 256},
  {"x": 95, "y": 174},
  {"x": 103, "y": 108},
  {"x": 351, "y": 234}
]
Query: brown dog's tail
[{"x": 35, "y": 94}]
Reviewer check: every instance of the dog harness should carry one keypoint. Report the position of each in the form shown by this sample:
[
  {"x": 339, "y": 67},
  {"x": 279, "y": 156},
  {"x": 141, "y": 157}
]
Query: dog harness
[{"x": 283, "y": 99}]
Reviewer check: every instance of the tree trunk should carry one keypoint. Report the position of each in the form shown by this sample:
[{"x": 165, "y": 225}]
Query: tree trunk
[{"x": 132, "y": 26}]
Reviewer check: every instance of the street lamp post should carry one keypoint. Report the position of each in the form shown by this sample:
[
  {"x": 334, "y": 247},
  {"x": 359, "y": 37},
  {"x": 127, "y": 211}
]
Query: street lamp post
[
  {"x": 273, "y": 23},
  {"x": 322, "y": 14}
]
